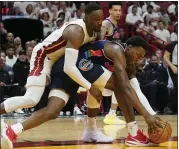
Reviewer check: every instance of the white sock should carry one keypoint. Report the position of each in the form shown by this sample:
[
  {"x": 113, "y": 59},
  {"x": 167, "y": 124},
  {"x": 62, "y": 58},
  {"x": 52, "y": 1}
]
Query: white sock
[
  {"x": 132, "y": 128},
  {"x": 135, "y": 85},
  {"x": 112, "y": 112},
  {"x": 91, "y": 124},
  {"x": 18, "y": 128}
]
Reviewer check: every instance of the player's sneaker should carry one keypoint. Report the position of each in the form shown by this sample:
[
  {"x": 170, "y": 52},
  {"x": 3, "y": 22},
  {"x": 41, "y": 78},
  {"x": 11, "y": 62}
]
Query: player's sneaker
[
  {"x": 113, "y": 120},
  {"x": 139, "y": 140},
  {"x": 77, "y": 111},
  {"x": 96, "y": 136},
  {"x": 7, "y": 136}
]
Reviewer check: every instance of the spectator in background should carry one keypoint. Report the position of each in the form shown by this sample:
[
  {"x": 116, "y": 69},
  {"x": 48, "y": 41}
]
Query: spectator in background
[
  {"x": 59, "y": 23},
  {"x": 174, "y": 34},
  {"x": 6, "y": 67},
  {"x": 144, "y": 7},
  {"x": 10, "y": 41},
  {"x": 159, "y": 55},
  {"x": 3, "y": 54},
  {"x": 17, "y": 45},
  {"x": 27, "y": 44},
  {"x": 30, "y": 12},
  {"x": 17, "y": 11},
  {"x": 153, "y": 15},
  {"x": 61, "y": 15},
  {"x": 146, "y": 28},
  {"x": 52, "y": 9},
  {"x": 29, "y": 53},
  {"x": 22, "y": 65},
  {"x": 171, "y": 58},
  {"x": 33, "y": 43},
  {"x": 71, "y": 6},
  {"x": 3, "y": 34},
  {"x": 47, "y": 21},
  {"x": 171, "y": 8},
  {"x": 63, "y": 8},
  {"x": 78, "y": 15},
  {"x": 138, "y": 9},
  {"x": 164, "y": 17},
  {"x": 82, "y": 8},
  {"x": 162, "y": 34},
  {"x": 4, "y": 79},
  {"x": 134, "y": 18},
  {"x": 10, "y": 58}
]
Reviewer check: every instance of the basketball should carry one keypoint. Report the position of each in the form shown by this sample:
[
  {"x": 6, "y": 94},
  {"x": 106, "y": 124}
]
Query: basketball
[{"x": 163, "y": 135}]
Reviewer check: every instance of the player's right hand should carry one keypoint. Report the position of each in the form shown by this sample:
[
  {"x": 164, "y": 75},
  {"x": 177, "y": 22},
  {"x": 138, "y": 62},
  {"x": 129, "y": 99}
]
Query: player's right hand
[
  {"x": 96, "y": 93},
  {"x": 153, "y": 123}
]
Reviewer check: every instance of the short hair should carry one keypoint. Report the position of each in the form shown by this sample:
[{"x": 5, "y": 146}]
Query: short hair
[
  {"x": 10, "y": 47},
  {"x": 138, "y": 42},
  {"x": 111, "y": 4},
  {"x": 150, "y": 6},
  {"x": 92, "y": 6},
  {"x": 134, "y": 6}
]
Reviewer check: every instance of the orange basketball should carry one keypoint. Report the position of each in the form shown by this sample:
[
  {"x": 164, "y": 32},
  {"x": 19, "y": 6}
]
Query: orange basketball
[{"x": 163, "y": 135}]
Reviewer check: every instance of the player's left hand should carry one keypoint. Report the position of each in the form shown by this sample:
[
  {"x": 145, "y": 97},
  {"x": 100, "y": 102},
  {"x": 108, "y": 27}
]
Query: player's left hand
[
  {"x": 153, "y": 123},
  {"x": 96, "y": 93}
]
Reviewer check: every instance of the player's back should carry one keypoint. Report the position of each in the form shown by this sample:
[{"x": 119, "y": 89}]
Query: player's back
[{"x": 54, "y": 45}]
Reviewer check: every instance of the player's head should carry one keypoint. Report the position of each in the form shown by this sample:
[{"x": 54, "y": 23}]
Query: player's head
[
  {"x": 94, "y": 16},
  {"x": 137, "y": 48},
  {"x": 115, "y": 10}
]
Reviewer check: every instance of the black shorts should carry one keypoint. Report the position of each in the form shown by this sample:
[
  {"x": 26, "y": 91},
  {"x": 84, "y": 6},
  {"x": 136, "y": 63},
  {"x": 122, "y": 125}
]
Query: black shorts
[{"x": 60, "y": 80}]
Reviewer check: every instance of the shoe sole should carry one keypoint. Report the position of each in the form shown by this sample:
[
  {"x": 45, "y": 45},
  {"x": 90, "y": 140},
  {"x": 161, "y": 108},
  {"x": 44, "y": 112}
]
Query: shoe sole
[
  {"x": 131, "y": 143},
  {"x": 113, "y": 123},
  {"x": 5, "y": 142}
]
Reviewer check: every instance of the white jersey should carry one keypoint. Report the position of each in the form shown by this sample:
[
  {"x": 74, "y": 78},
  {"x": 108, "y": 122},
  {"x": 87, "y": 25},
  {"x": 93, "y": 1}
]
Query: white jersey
[{"x": 53, "y": 47}]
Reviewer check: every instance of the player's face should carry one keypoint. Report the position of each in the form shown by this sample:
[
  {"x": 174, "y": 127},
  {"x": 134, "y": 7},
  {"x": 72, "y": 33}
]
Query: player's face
[
  {"x": 95, "y": 20},
  {"x": 116, "y": 12}
]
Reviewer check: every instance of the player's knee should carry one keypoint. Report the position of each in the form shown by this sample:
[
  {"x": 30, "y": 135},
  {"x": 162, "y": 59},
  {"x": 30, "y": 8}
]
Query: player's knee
[{"x": 51, "y": 114}]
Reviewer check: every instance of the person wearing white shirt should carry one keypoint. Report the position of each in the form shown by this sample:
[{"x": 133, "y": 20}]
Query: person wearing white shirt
[
  {"x": 11, "y": 58},
  {"x": 139, "y": 10},
  {"x": 133, "y": 17},
  {"x": 144, "y": 7},
  {"x": 78, "y": 15},
  {"x": 174, "y": 34},
  {"x": 171, "y": 8},
  {"x": 153, "y": 15},
  {"x": 63, "y": 8},
  {"x": 162, "y": 34}
]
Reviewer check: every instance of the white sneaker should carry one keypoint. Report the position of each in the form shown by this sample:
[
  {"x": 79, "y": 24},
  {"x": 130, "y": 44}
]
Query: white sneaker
[
  {"x": 5, "y": 141},
  {"x": 96, "y": 136},
  {"x": 61, "y": 113},
  {"x": 77, "y": 111},
  {"x": 19, "y": 111},
  {"x": 68, "y": 113}
]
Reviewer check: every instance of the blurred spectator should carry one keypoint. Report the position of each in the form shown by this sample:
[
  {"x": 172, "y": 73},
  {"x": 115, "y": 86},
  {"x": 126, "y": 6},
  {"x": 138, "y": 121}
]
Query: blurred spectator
[
  {"x": 59, "y": 23},
  {"x": 22, "y": 65},
  {"x": 138, "y": 9},
  {"x": 63, "y": 8},
  {"x": 10, "y": 41},
  {"x": 144, "y": 7},
  {"x": 47, "y": 21},
  {"x": 82, "y": 8},
  {"x": 29, "y": 53},
  {"x": 171, "y": 58},
  {"x": 71, "y": 7},
  {"x": 10, "y": 58},
  {"x": 6, "y": 67},
  {"x": 134, "y": 18},
  {"x": 174, "y": 34},
  {"x": 78, "y": 15},
  {"x": 162, "y": 34},
  {"x": 159, "y": 55},
  {"x": 3, "y": 54},
  {"x": 52, "y": 9},
  {"x": 61, "y": 15},
  {"x": 22, "y": 5},
  {"x": 146, "y": 27},
  {"x": 17, "y": 45},
  {"x": 27, "y": 44},
  {"x": 17, "y": 11},
  {"x": 164, "y": 17},
  {"x": 33, "y": 43},
  {"x": 3, "y": 33},
  {"x": 4, "y": 79},
  {"x": 153, "y": 15},
  {"x": 171, "y": 8},
  {"x": 30, "y": 12}
]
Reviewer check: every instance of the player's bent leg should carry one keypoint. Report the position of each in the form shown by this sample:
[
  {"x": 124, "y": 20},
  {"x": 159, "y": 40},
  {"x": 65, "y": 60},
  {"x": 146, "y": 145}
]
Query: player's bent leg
[
  {"x": 56, "y": 102},
  {"x": 35, "y": 88},
  {"x": 91, "y": 133}
]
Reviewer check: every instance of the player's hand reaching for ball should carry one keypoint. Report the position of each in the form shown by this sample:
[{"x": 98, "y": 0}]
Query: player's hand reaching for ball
[
  {"x": 96, "y": 93},
  {"x": 153, "y": 123}
]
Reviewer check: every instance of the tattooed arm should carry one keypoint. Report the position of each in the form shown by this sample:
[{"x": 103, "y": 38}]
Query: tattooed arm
[{"x": 106, "y": 27}]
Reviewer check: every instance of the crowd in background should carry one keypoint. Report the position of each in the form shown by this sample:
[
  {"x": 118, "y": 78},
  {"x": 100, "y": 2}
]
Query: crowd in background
[{"x": 151, "y": 21}]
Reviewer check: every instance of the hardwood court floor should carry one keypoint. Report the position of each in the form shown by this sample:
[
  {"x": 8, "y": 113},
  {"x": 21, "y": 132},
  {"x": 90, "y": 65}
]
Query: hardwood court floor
[{"x": 66, "y": 133}]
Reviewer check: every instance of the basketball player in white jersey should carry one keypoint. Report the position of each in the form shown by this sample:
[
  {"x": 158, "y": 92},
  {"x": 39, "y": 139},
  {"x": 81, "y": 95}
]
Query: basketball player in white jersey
[
  {"x": 110, "y": 31},
  {"x": 65, "y": 40}
]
